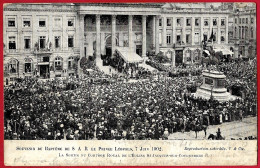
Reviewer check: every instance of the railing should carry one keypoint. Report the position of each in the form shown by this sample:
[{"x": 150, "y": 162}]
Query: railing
[{"x": 43, "y": 50}]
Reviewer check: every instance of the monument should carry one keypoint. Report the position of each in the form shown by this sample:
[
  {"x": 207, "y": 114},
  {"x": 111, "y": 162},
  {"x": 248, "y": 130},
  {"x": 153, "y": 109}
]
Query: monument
[{"x": 213, "y": 86}]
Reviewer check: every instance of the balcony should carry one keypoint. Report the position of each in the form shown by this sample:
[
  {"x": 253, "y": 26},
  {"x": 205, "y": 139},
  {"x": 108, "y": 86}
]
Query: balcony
[
  {"x": 43, "y": 51},
  {"x": 180, "y": 44},
  {"x": 11, "y": 50}
]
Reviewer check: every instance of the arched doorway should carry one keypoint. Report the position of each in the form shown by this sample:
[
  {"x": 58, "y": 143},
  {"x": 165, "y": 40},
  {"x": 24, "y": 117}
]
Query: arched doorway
[{"x": 108, "y": 46}]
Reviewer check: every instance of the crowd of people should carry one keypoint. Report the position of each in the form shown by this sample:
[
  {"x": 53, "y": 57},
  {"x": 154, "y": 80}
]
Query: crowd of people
[
  {"x": 80, "y": 109},
  {"x": 178, "y": 71}
]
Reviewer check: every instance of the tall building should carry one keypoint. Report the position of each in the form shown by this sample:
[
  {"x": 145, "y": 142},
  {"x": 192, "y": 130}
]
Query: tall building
[
  {"x": 244, "y": 30},
  {"x": 49, "y": 40}
]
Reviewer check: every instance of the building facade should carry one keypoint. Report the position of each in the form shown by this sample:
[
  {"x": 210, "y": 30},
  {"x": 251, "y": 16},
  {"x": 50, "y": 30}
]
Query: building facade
[
  {"x": 244, "y": 30},
  {"x": 49, "y": 40}
]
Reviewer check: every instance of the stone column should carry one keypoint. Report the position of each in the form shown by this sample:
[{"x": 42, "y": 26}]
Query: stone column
[
  {"x": 20, "y": 43},
  {"x": 98, "y": 38},
  {"x": 90, "y": 44},
  {"x": 164, "y": 22},
  {"x": 153, "y": 32},
  {"x": 226, "y": 30},
  {"x": 81, "y": 36},
  {"x": 113, "y": 38},
  {"x": 201, "y": 30},
  {"x": 130, "y": 33},
  {"x": 192, "y": 30},
  {"x": 121, "y": 39},
  {"x": 184, "y": 30},
  {"x": 157, "y": 48},
  {"x": 245, "y": 32},
  {"x": 219, "y": 33},
  {"x": 174, "y": 32},
  {"x": 241, "y": 32},
  {"x": 210, "y": 27},
  {"x": 144, "y": 17},
  {"x": 173, "y": 59}
]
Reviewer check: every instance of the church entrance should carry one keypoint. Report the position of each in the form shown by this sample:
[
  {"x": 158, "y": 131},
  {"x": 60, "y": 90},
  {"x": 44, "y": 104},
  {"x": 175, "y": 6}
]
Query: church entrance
[
  {"x": 139, "y": 50},
  {"x": 108, "y": 48}
]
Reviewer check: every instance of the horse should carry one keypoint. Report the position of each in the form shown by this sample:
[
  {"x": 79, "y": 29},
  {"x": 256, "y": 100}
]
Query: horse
[
  {"x": 199, "y": 127},
  {"x": 214, "y": 137}
]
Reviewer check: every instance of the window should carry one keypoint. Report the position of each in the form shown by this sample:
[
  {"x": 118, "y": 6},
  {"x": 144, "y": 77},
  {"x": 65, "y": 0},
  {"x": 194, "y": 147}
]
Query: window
[
  {"x": 196, "y": 38},
  {"x": 252, "y": 20},
  {"x": 160, "y": 22},
  {"x": 70, "y": 41},
  {"x": 246, "y": 20},
  {"x": 28, "y": 65},
  {"x": 242, "y": 29},
  {"x": 215, "y": 36},
  {"x": 197, "y": 22},
  {"x": 27, "y": 42},
  {"x": 57, "y": 41},
  {"x": 206, "y": 22},
  {"x": 12, "y": 43},
  {"x": 11, "y": 22},
  {"x": 13, "y": 65},
  {"x": 178, "y": 39},
  {"x": 188, "y": 22},
  {"x": 222, "y": 22},
  {"x": 178, "y": 22},
  {"x": 42, "y": 23},
  {"x": 169, "y": 22},
  {"x": 45, "y": 59},
  {"x": 58, "y": 63},
  {"x": 235, "y": 20},
  {"x": 215, "y": 22},
  {"x": 188, "y": 40},
  {"x": 239, "y": 33},
  {"x": 57, "y": 22},
  {"x": 71, "y": 23},
  {"x": 252, "y": 32},
  {"x": 26, "y": 23},
  {"x": 235, "y": 35},
  {"x": 205, "y": 36},
  {"x": 240, "y": 20},
  {"x": 168, "y": 38},
  {"x": 243, "y": 20},
  {"x": 222, "y": 37},
  {"x": 246, "y": 32},
  {"x": 70, "y": 63},
  {"x": 42, "y": 42}
]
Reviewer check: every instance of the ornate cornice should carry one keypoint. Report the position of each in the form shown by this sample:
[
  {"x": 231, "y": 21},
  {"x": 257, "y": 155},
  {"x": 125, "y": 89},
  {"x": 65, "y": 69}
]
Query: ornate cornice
[
  {"x": 139, "y": 5},
  {"x": 38, "y": 10}
]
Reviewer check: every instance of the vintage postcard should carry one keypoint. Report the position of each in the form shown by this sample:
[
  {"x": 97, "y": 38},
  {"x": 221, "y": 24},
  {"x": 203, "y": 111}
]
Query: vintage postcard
[{"x": 142, "y": 84}]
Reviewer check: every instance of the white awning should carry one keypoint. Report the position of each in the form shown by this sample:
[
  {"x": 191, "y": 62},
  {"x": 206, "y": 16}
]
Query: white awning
[
  {"x": 128, "y": 55},
  {"x": 224, "y": 51}
]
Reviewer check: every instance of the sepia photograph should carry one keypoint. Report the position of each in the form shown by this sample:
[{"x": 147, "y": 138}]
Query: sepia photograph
[{"x": 130, "y": 71}]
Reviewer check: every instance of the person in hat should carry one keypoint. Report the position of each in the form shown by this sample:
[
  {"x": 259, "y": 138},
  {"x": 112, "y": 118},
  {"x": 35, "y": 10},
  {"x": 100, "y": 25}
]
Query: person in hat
[{"x": 218, "y": 134}]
